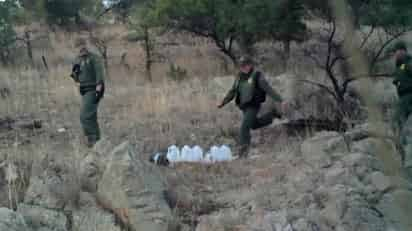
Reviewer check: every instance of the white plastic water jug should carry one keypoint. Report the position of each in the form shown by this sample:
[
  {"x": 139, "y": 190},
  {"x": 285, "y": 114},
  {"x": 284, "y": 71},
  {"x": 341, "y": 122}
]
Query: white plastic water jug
[
  {"x": 207, "y": 158},
  {"x": 186, "y": 154},
  {"x": 219, "y": 154},
  {"x": 214, "y": 153},
  {"x": 197, "y": 154},
  {"x": 173, "y": 154},
  {"x": 226, "y": 153}
]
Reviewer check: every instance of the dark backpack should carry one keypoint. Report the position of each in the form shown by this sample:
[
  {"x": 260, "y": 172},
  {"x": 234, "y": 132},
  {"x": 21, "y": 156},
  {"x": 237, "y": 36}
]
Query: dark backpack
[{"x": 259, "y": 94}]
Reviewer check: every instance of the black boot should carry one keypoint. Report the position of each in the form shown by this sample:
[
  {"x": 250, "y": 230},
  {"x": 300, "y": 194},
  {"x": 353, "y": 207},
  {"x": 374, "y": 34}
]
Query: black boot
[
  {"x": 243, "y": 151},
  {"x": 91, "y": 141},
  {"x": 274, "y": 113}
]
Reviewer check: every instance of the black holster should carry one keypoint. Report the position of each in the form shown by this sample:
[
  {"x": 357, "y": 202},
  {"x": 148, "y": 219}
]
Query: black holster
[{"x": 85, "y": 89}]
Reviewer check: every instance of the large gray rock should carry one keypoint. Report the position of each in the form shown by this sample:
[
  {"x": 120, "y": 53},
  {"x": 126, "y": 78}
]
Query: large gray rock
[
  {"x": 91, "y": 170},
  {"x": 358, "y": 163},
  {"x": 356, "y": 159},
  {"x": 135, "y": 190},
  {"x": 385, "y": 156},
  {"x": 362, "y": 217},
  {"x": 335, "y": 203},
  {"x": 93, "y": 165},
  {"x": 55, "y": 187},
  {"x": 380, "y": 181},
  {"x": 318, "y": 149},
  {"x": 90, "y": 216},
  {"x": 94, "y": 219},
  {"x": 330, "y": 215},
  {"x": 396, "y": 208},
  {"x": 12, "y": 221},
  {"x": 367, "y": 130},
  {"x": 337, "y": 174},
  {"x": 228, "y": 219},
  {"x": 41, "y": 219}
]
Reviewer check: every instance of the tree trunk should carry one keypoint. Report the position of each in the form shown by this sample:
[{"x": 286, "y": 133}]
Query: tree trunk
[
  {"x": 105, "y": 58},
  {"x": 286, "y": 49},
  {"x": 3, "y": 58},
  {"x": 148, "y": 51},
  {"x": 45, "y": 62},
  {"x": 29, "y": 47}
]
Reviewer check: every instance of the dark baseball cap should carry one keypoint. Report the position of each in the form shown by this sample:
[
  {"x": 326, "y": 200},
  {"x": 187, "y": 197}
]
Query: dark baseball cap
[
  {"x": 246, "y": 60},
  {"x": 399, "y": 45}
]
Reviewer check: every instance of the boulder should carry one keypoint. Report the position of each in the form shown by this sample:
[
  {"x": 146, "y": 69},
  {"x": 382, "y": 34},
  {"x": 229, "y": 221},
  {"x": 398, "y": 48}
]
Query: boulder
[
  {"x": 385, "y": 156},
  {"x": 367, "y": 130},
  {"x": 12, "y": 221},
  {"x": 301, "y": 225},
  {"x": 56, "y": 188},
  {"x": 336, "y": 175},
  {"x": 330, "y": 215},
  {"x": 360, "y": 216},
  {"x": 224, "y": 220},
  {"x": 400, "y": 182},
  {"x": 103, "y": 148},
  {"x": 380, "y": 181},
  {"x": 396, "y": 208},
  {"x": 42, "y": 219},
  {"x": 359, "y": 133},
  {"x": 94, "y": 219},
  {"x": 356, "y": 159},
  {"x": 359, "y": 163},
  {"x": 134, "y": 190},
  {"x": 335, "y": 204},
  {"x": 318, "y": 149},
  {"x": 90, "y": 172},
  {"x": 366, "y": 146},
  {"x": 90, "y": 215},
  {"x": 93, "y": 165}
]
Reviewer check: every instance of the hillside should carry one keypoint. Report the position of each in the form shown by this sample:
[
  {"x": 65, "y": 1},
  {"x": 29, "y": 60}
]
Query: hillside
[{"x": 304, "y": 180}]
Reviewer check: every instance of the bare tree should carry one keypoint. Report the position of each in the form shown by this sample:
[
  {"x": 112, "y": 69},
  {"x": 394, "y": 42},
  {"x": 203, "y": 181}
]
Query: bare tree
[
  {"x": 101, "y": 41},
  {"x": 27, "y": 38},
  {"x": 329, "y": 56}
]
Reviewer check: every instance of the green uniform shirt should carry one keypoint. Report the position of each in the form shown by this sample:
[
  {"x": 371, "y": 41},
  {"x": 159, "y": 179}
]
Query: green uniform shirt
[
  {"x": 403, "y": 76},
  {"x": 246, "y": 86},
  {"x": 91, "y": 70}
]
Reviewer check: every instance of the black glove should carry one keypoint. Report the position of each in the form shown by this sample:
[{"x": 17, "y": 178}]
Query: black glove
[
  {"x": 100, "y": 94},
  {"x": 75, "y": 71}
]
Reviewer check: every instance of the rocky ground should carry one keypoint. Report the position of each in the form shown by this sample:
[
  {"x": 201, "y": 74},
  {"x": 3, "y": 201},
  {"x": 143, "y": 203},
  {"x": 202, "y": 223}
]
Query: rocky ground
[
  {"x": 328, "y": 181},
  {"x": 320, "y": 181}
]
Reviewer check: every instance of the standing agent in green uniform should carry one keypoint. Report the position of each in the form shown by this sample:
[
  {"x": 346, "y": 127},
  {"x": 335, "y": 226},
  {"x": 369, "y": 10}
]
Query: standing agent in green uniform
[
  {"x": 88, "y": 72},
  {"x": 249, "y": 91},
  {"x": 403, "y": 116}
]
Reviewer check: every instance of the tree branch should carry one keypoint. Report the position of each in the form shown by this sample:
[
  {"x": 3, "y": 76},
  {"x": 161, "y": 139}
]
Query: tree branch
[
  {"x": 346, "y": 84},
  {"x": 320, "y": 85},
  {"x": 330, "y": 40},
  {"x": 308, "y": 54},
  {"x": 328, "y": 66},
  {"x": 335, "y": 60},
  {"x": 384, "y": 45},
  {"x": 366, "y": 38},
  {"x": 107, "y": 10}
]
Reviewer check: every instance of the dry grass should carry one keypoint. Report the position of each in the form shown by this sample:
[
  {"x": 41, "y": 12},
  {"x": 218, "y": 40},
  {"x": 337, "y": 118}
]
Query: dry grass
[{"x": 151, "y": 115}]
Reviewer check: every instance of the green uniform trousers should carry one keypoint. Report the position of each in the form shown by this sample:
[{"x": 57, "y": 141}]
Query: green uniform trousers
[
  {"x": 406, "y": 142},
  {"x": 403, "y": 110},
  {"x": 403, "y": 119},
  {"x": 251, "y": 121},
  {"x": 88, "y": 116}
]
